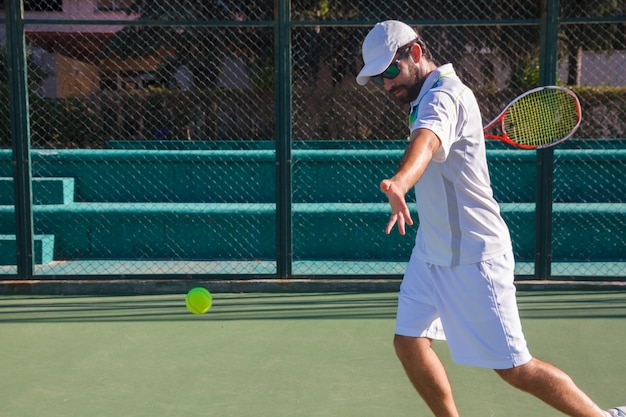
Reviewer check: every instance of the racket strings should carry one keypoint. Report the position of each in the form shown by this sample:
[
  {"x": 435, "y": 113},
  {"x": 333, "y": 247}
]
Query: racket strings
[{"x": 541, "y": 118}]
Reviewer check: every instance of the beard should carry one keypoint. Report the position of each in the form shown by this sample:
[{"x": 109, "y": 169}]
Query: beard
[{"x": 409, "y": 91}]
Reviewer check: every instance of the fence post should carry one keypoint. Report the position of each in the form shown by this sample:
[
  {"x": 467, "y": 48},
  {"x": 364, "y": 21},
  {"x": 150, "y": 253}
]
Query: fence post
[
  {"x": 545, "y": 157},
  {"x": 20, "y": 135},
  {"x": 283, "y": 97}
]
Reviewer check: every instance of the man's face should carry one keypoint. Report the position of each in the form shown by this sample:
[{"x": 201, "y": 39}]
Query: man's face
[{"x": 406, "y": 85}]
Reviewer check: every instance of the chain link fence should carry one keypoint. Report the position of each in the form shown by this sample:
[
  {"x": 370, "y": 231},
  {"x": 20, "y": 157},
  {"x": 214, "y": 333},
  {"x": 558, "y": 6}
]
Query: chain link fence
[{"x": 156, "y": 132}]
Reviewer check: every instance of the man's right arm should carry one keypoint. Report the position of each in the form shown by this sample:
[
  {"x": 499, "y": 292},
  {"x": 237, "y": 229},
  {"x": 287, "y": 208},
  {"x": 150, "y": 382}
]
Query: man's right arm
[{"x": 418, "y": 154}]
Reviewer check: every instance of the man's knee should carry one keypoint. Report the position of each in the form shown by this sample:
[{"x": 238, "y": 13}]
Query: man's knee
[
  {"x": 403, "y": 346},
  {"x": 518, "y": 375},
  {"x": 408, "y": 347},
  {"x": 509, "y": 375}
]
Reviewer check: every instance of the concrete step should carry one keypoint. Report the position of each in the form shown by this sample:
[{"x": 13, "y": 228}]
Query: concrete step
[
  {"x": 43, "y": 249},
  {"x": 50, "y": 190},
  {"x": 318, "y": 175},
  {"x": 329, "y": 231}
]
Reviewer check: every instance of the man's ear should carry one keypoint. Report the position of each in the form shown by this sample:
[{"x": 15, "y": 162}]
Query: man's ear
[{"x": 415, "y": 52}]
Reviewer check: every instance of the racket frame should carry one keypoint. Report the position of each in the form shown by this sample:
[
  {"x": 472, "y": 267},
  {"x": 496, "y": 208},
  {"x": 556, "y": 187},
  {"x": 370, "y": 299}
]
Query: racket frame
[{"x": 500, "y": 120}]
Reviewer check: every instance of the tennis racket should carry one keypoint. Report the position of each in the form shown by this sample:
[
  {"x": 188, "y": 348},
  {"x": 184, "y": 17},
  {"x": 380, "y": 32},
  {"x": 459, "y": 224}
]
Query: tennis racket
[{"x": 539, "y": 118}]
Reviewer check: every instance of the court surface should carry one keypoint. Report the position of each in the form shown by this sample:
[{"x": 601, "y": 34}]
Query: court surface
[{"x": 274, "y": 355}]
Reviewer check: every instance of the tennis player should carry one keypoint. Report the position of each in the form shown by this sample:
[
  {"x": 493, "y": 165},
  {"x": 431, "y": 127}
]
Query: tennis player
[{"x": 458, "y": 285}]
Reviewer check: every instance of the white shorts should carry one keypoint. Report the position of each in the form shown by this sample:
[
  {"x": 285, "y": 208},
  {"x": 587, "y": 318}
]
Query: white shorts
[{"x": 473, "y": 307}]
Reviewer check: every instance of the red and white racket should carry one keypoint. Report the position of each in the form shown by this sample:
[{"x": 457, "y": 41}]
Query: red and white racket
[{"x": 539, "y": 118}]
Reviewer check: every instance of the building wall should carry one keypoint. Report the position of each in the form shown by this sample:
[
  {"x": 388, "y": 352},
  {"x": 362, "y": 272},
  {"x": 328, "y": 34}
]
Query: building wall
[
  {"x": 69, "y": 77},
  {"x": 600, "y": 69}
]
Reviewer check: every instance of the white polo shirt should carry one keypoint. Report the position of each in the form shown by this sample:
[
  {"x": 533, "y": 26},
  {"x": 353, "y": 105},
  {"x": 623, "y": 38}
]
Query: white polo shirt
[{"x": 459, "y": 220}]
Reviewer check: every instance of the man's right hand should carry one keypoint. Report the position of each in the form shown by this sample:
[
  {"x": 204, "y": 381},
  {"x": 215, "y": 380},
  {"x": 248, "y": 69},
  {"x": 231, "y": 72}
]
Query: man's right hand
[{"x": 400, "y": 213}]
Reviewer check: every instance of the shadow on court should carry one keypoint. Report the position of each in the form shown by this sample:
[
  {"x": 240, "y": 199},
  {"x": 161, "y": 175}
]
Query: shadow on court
[
  {"x": 254, "y": 306},
  {"x": 572, "y": 304},
  {"x": 172, "y": 307}
]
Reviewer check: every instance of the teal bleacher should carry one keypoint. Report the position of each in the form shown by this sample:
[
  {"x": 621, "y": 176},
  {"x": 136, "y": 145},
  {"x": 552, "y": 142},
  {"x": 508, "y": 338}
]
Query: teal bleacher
[{"x": 189, "y": 200}]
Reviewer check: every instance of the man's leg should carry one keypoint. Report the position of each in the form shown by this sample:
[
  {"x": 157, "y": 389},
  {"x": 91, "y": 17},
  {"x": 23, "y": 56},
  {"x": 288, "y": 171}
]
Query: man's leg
[
  {"x": 553, "y": 386},
  {"x": 426, "y": 373}
]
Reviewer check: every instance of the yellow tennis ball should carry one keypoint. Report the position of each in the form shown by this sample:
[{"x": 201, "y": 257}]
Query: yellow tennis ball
[{"x": 198, "y": 300}]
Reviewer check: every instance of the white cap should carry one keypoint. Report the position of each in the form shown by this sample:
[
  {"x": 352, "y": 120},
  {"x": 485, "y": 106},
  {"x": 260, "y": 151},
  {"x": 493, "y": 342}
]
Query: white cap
[{"x": 380, "y": 46}]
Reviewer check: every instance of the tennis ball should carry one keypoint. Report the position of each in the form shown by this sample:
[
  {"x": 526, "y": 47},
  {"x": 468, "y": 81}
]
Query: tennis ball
[{"x": 198, "y": 300}]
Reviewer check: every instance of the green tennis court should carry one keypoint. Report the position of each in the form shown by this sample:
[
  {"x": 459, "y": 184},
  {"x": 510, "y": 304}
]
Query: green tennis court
[{"x": 273, "y": 355}]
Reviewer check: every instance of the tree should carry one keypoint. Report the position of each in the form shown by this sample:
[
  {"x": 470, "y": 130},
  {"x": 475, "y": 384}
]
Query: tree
[
  {"x": 593, "y": 37},
  {"x": 182, "y": 38}
]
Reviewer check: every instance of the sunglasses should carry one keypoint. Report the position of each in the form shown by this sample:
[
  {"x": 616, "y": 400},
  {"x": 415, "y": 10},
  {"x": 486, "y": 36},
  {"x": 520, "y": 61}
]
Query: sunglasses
[{"x": 391, "y": 72}]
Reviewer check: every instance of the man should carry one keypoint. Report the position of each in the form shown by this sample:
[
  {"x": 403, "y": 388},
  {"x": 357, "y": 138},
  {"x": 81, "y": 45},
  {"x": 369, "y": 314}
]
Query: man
[{"x": 458, "y": 285}]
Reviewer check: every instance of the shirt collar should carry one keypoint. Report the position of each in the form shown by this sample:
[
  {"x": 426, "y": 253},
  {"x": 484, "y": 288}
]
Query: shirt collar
[{"x": 433, "y": 80}]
